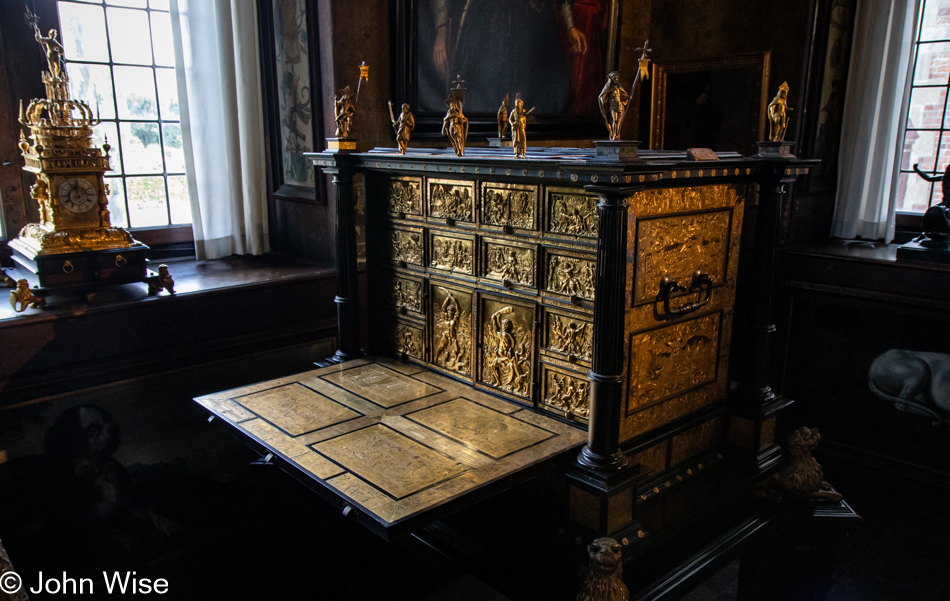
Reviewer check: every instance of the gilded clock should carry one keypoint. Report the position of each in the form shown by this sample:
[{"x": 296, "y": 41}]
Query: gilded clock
[{"x": 77, "y": 195}]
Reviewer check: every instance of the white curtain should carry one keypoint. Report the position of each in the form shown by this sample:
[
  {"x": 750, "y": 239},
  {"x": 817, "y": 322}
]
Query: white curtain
[
  {"x": 219, "y": 96},
  {"x": 875, "y": 108}
]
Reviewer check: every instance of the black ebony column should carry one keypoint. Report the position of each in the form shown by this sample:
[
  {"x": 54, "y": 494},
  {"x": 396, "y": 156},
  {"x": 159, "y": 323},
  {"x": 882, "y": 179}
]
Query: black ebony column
[
  {"x": 347, "y": 282},
  {"x": 602, "y": 452}
]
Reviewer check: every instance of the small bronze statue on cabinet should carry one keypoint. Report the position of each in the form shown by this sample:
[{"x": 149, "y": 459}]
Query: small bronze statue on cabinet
[
  {"x": 803, "y": 477},
  {"x": 455, "y": 123},
  {"x": 344, "y": 111},
  {"x": 778, "y": 114},
  {"x": 613, "y": 101},
  {"x": 502, "y": 118},
  {"x": 605, "y": 579},
  {"x": 22, "y": 297},
  {"x": 403, "y": 125},
  {"x": 519, "y": 121}
]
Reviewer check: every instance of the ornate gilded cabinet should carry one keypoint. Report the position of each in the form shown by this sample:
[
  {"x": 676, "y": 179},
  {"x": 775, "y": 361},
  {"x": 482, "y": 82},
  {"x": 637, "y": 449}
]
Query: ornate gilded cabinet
[{"x": 601, "y": 293}]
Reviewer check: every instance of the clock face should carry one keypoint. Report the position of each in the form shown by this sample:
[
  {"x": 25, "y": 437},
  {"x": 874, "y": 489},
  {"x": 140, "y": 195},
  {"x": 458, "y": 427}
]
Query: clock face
[{"x": 77, "y": 195}]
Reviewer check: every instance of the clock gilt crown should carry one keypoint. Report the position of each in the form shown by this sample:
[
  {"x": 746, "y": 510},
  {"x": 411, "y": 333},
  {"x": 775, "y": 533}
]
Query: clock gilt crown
[{"x": 70, "y": 189}]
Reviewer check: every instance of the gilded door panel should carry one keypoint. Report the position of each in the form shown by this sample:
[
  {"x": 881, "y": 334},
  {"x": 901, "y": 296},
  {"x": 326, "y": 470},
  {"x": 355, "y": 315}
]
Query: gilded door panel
[
  {"x": 404, "y": 293},
  {"x": 405, "y": 246},
  {"x": 452, "y": 199},
  {"x": 404, "y": 196},
  {"x": 568, "y": 334},
  {"x": 407, "y": 338},
  {"x": 451, "y": 253},
  {"x": 509, "y": 206},
  {"x": 569, "y": 275},
  {"x": 570, "y": 212},
  {"x": 678, "y": 245},
  {"x": 670, "y": 360},
  {"x": 451, "y": 318},
  {"x": 565, "y": 393},
  {"x": 507, "y": 342},
  {"x": 509, "y": 262}
]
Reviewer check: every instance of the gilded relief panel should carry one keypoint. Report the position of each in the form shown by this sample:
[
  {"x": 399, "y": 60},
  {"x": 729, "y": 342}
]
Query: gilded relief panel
[
  {"x": 569, "y": 335},
  {"x": 678, "y": 245},
  {"x": 509, "y": 263},
  {"x": 571, "y": 213},
  {"x": 569, "y": 275},
  {"x": 507, "y": 342},
  {"x": 668, "y": 361},
  {"x": 405, "y": 246},
  {"x": 452, "y": 254},
  {"x": 404, "y": 196},
  {"x": 404, "y": 293},
  {"x": 451, "y": 311},
  {"x": 407, "y": 339},
  {"x": 509, "y": 205},
  {"x": 449, "y": 199},
  {"x": 659, "y": 201},
  {"x": 567, "y": 393}
]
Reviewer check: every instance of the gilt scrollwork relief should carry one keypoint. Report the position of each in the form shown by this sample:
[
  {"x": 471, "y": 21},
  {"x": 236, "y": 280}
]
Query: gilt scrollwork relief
[
  {"x": 451, "y": 201},
  {"x": 406, "y": 246},
  {"x": 510, "y": 264},
  {"x": 406, "y": 294},
  {"x": 452, "y": 329},
  {"x": 573, "y": 337},
  {"x": 507, "y": 347},
  {"x": 508, "y": 207},
  {"x": 452, "y": 254},
  {"x": 571, "y": 276},
  {"x": 668, "y": 361},
  {"x": 404, "y": 196},
  {"x": 406, "y": 340},
  {"x": 567, "y": 393},
  {"x": 572, "y": 214}
]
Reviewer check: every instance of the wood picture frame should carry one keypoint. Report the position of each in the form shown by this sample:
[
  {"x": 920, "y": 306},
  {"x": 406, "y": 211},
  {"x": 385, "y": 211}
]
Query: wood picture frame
[
  {"x": 717, "y": 103},
  {"x": 503, "y": 59}
]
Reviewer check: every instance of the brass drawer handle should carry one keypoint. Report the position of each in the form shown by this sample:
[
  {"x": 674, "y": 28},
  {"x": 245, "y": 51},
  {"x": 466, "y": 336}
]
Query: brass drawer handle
[
  {"x": 68, "y": 267},
  {"x": 669, "y": 286},
  {"x": 120, "y": 261}
]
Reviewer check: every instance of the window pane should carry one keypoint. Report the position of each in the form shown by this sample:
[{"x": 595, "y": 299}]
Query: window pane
[
  {"x": 178, "y": 199},
  {"x": 117, "y": 202},
  {"x": 135, "y": 92},
  {"x": 933, "y": 64},
  {"x": 935, "y": 23},
  {"x": 168, "y": 94},
  {"x": 130, "y": 3},
  {"x": 919, "y": 147},
  {"x": 158, "y": 4},
  {"x": 146, "y": 201},
  {"x": 162, "y": 39},
  {"x": 84, "y": 32},
  {"x": 107, "y": 131},
  {"x": 913, "y": 194},
  {"x": 129, "y": 36},
  {"x": 174, "y": 154},
  {"x": 926, "y": 108},
  {"x": 141, "y": 147},
  {"x": 93, "y": 83}
]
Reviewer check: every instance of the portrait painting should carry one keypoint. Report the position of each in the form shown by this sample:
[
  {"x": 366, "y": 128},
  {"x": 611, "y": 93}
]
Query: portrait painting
[
  {"x": 711, "y": 103},
  {"x": 553, "y": 54}
]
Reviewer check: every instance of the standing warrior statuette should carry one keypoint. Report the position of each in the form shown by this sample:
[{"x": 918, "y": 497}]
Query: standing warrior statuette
[
  {"x": 403, "y": 125},
  {"x": 519, "y": 120},
  {"x": 613, "y": 98},
  {"x": 503, "y": 118},
  {"x": 344, "y": 111},
  {"x": 455, "y": 123},
  {"x": 778, "y": 115}
]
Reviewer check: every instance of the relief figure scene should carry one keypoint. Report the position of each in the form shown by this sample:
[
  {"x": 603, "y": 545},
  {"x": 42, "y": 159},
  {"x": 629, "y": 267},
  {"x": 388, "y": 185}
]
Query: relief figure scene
[
  {"x": 452, "y": 254},
  {"x": 452, "y": 329},
  {"x": 507, "y": 343},
  {"x": 572, "y": 337},
  {"x": 510, "y": 264},
  {"x": 512, "y": 208},
  {"x": 406, "y": 340},
  {"x": 570, "y": 276},
  {"x": 451, "y": 202},
  {"x": 405, "y": 196},
  {"x": 406, "y": 246},
  {"x": 573, "y": 215},
  {"x": 406, "y": 294},
  {"x": 567, "y": 393}
]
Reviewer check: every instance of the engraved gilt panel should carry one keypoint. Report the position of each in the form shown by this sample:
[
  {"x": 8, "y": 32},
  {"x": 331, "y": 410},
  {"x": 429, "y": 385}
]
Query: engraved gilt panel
[
  {"x": 571, "y": 214},
  {"x": 404, "y": 196},
  {"x": 510, "y": 263},
  {"x": 406, "y": 246},
  {"x": 509, "y": 205},
  {"x": 671, "y": 360},
  {"x": 678, "y": 245},
  {"x": 451, "y": 312},
  {"x": 450, "y": 199},
  {"x": 569, "y": 335},
  {"x": 507, "y": 332},
  {"x": 567, "y": 393},
  {"x": 406, "y": 339},
  {"x": 570, "y": 276},
  {"x": 449, "y": 253},
  {"x": 405, "y": 293}
]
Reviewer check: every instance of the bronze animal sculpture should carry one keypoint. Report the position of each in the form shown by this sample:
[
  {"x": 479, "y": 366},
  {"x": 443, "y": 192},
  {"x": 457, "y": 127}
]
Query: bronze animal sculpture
[
  {"x": 22, "y": 297},
  {"x": 936, "y": 222},
  {"x": 915, "y": 381},
  {"x": 162, "y": 280},
  {"x": 803, "y": 477},
  {"x": 605, "y": 579}
]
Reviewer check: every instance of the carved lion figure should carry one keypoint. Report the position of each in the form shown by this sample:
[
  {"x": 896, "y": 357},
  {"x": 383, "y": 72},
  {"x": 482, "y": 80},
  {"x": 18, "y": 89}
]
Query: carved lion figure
[
  {"x": 803, "y": 477},
  {"x": 604, "y": 581}
]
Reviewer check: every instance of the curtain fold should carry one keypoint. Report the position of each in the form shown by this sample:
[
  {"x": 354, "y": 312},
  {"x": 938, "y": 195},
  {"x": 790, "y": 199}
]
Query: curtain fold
[
  {"x": 872, "y": 131},
  {"x": 219, "y": 97}
]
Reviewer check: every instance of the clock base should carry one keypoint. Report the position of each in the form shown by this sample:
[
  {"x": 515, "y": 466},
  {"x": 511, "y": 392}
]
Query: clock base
[{"x": 47, "y": 272}]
